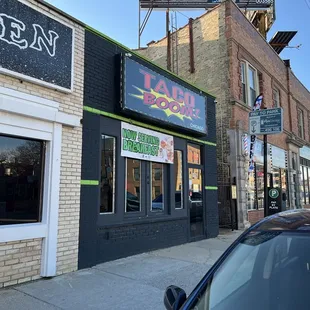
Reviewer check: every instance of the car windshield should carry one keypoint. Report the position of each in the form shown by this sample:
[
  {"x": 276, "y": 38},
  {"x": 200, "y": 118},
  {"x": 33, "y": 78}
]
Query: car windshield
[{"x": 266, "y": 271}]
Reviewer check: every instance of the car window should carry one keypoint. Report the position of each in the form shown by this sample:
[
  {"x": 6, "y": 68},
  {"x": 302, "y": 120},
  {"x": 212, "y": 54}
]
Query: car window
[
  {"x": 267, "y": 270},
  {"x": 239, "y": 277}
]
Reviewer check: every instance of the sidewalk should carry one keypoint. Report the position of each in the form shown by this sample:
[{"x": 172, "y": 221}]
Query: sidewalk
[{"x": 132, "y": 283}]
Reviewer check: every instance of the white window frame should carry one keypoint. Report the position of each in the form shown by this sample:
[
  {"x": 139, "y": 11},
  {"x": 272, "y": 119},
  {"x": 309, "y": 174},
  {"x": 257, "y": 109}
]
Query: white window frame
[
  {"x": 276, "y": 98},
  {"x": 34, "y": 117},
  {"x": 247, "y": 84}
]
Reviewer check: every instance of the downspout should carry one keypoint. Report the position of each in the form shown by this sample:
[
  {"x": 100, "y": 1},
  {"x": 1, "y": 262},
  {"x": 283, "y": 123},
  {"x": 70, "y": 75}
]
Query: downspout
[
  {"x": 288, "y": 66},
  {"x": 168, "y": 41},
  {"x": 191, "y": 46}
]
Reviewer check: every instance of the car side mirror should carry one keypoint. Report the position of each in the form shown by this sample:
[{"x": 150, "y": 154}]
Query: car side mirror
[{"x": 174, "y": 298}]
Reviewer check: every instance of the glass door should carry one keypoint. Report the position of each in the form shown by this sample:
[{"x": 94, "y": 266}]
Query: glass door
[
  {"x": 195, "y": 196},
  {"x": 195, "y": 202}
]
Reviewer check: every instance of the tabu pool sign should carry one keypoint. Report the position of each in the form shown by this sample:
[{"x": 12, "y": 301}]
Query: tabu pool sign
[
  {"x": 144, "y": 144},
  {"x": 157, "y": 97}
]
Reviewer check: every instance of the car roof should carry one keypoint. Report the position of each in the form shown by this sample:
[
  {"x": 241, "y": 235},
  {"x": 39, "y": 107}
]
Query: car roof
[{"x": 292, "y": 220}]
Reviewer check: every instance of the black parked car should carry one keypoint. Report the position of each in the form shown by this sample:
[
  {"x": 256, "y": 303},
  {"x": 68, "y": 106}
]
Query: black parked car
[{"x": 266, "y": 268}]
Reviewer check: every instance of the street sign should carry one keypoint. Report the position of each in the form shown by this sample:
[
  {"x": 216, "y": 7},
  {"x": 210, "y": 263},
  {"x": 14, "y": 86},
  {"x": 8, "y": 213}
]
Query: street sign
[
  {"x": 274, "y": 201},
  {"x": 266, "y": 122}
]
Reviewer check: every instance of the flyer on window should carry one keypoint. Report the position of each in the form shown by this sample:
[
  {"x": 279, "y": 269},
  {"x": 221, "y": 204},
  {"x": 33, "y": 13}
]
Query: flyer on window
[{"x": 145, "y": 144}]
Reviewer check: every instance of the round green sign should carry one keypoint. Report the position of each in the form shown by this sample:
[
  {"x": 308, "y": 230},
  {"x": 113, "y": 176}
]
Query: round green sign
[{"x": 274, "y": 193}]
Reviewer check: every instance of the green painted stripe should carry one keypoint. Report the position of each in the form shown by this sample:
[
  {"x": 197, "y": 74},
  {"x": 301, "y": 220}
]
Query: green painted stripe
[
  {"x": 144, "y": 58},
  {"x": 124, "y": 119},
  {"x": 89, "y": 182},
  {"x": 211, "y": 188}
]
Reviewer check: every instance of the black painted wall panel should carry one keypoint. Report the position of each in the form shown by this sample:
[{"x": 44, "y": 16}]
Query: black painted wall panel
[{"x": 103, "y": 240}]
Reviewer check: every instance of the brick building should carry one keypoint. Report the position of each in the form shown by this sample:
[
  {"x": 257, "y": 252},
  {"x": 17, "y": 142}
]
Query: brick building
[
  {"x": 223, "y": 52},
  {"x": 145, "y": 177},
  {"x": 41, "y": 95}
]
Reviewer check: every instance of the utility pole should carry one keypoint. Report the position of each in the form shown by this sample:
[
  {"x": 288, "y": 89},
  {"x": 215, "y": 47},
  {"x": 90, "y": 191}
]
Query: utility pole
[{"x": 265, "y": 177}]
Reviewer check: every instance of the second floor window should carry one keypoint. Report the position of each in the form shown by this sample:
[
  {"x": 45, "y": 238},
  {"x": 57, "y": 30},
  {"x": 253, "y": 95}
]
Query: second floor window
[
  {"x": 300, "y": 119},
  {"x": 249, "y": 82},
  {"x": 275, "y": 98}
]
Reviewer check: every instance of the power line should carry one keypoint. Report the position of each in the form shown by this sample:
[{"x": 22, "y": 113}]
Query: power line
[
  {"x": 308, "y": 4},
  {"x": 183, "y": 14}
]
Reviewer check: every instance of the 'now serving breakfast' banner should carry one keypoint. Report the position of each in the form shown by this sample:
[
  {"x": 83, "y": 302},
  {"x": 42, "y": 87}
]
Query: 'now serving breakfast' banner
[{"x": 144, "y": 144}]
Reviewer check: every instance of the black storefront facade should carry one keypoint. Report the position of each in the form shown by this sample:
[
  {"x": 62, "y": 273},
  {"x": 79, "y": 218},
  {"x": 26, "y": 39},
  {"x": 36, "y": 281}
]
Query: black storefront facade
[{"x": 149, "y": 156}]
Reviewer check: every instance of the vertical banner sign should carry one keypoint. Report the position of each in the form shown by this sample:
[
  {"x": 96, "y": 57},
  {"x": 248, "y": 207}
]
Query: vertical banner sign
[
  {"x": 257, "y": 106},
  {"x": 144, "y": 144},
  {"x": 35, "y": 46}
]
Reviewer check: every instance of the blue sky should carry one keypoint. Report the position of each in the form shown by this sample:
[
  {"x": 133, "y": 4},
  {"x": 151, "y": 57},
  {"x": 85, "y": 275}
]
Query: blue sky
[{"x": 119, "y": 20}]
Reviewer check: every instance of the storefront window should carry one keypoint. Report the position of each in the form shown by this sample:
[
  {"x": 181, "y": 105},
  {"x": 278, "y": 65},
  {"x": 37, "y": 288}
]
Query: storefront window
[
  {"x": 107, "y": 199},
  {"x": 178, "y": 179},
  {"x": 251, "y": 196},
  {"x": 157, "y": 174},
  {"x": 133, "y": 185},
  {"x": 302, "y": 185},
  {"x": 284, "y": 181},
  {"x": 306, "y": 181},
  {"x": 157, "y": 187},
  {"x": 193, "y": 154},
  {"x": 276, "y": 177},
  {"x": 21, "y": 180},
  {"x": 260, "y": 185},
  {"x": 305, "y": 184}
]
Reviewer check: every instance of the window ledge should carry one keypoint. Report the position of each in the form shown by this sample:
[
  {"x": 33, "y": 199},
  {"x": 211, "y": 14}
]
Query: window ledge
[
  {"x": 17, "y": 232},
  {"x": 241, "y": 104}
]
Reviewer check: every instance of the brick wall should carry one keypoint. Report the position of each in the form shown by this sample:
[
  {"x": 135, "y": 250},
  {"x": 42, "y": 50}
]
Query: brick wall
[
  {"x": 255, "y": 216},
  {"x": 19, "y": 261},
  {"x": 70, "y": 175},
  {"x": 223, "y": 37},
  {"x": 125, "y": 240},
  {"x": 245, "y": 43},
  {"x": 300, "y": 98},
  {"x": 211, "y": 68}
]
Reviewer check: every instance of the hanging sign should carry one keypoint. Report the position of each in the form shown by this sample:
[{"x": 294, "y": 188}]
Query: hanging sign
[
  {"x": 257, "y": 106},
  {"x": 144, "y": 144},
  {"x": 156, "y": 97},
  {"x": 269, "y": 121},
  {"x": 35, "y": 46}
]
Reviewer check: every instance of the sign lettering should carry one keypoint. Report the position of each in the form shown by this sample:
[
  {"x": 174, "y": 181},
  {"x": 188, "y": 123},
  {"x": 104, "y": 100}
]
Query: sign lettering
[
  {"x": 274, "y": 201},
  {"x": 34, "y": 46},
  {"x": 269, "y": 121},
  {"x": 149, "y": 93},
  {"x": 145, "y": 144},
  {"x": 10, "y": 32}
]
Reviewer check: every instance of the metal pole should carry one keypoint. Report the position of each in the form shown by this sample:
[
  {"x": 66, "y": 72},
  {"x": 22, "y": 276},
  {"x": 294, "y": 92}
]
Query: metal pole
[
  {"x": 265, "y": 178},
  {"x": 168, "y": 40},
  {"x": 139, "y": 31}
]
